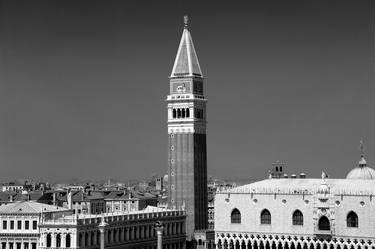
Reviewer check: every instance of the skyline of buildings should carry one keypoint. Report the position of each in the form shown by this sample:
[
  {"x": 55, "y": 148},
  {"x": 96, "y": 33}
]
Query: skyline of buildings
[{"x": 185, "y": 209}]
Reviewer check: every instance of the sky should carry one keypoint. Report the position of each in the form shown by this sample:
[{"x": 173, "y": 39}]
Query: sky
[{"x": 83, "y": 86}]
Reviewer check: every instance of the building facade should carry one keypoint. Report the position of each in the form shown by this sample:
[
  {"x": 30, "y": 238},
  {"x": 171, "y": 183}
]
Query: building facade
[
  {"x": 120, "y": 230},
  {"x": 19, "y": 224},
  {"x": 116, "y": 201},
  {"x": 187, "y": 157},
  {"x": 298, "y": 213}
]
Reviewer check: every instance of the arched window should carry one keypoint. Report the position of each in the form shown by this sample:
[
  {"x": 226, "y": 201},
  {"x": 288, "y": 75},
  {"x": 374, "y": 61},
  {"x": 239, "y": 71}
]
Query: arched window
[
  {"x": 174, "y": 113},
  {"x": 187, "y": 113},
  {"x": 183, "y": 113},
  {"x": 67, "y": 240},
  {"x": 297, "y": 218},
  {"x": 324, "y": 223},
  {"x": 352, "y": 219},
  {"x": 92, "y": 238},
  {"x": 80, "y": 239},
  {"x": 109, "y": 236},
  {"x": 48, "y": 242},
  {"x": 178, "y": 113},
  {"x": 235, "y": 216},
  {"x": 58, "y": 240},
  {"x": 86, "y": 239},
  {"x": 265, "y": 217}
]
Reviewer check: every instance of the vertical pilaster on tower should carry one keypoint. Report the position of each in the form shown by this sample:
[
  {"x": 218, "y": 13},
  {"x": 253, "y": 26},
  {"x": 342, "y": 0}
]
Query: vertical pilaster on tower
[{"x": 187, "y": 153}]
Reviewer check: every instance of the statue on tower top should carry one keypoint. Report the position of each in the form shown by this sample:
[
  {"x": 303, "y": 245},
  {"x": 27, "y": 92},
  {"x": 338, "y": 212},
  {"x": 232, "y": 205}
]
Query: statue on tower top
[{"x": 186, "y": 21}]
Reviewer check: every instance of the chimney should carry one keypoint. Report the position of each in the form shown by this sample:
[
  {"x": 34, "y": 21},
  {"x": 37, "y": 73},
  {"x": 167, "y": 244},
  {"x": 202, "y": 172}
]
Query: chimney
[
  {"x": 54, "y": 198},
  {"x": 302, "y": 175},
  {"x": 69, "y": 199}
]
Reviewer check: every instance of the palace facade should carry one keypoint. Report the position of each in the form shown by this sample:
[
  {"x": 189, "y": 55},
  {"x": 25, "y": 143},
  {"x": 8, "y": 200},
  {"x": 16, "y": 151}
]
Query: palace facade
[{"x": 299, "y": 213}]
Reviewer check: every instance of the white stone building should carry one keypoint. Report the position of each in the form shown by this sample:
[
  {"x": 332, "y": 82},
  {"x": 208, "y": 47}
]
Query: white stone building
[
  {"x": 296, "y": 213},
  {"x": 19, "y": 224},
  {"x": 134, "y": 229}
]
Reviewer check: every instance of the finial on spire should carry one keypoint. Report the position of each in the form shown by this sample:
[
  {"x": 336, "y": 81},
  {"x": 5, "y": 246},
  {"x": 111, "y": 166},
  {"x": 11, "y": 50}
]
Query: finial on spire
[
  {"x": 186, "y": 21},
  {"x": 362, "y": 162},
  {"x": 362, "y": 149}
]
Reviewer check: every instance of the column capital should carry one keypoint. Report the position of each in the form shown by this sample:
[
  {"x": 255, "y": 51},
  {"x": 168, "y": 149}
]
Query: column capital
[{"x": 159, "y": 227}]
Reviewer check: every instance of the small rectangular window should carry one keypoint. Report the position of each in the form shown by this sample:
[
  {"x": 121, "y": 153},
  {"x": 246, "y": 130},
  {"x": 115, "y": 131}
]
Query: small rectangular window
[
  {"x": 26, "y": 224},
  {"x": 5, "y": 224},
  {"x": 12, "y": 224},
  {"x": 35, "y": 225},
  {"x": 19, "y": 224}
]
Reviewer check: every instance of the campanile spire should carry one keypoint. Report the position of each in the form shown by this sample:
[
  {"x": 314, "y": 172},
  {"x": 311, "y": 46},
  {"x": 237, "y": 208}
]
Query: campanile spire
[
  {"x": 186, "y": 62},
  {"x": 187, "y": 156}
]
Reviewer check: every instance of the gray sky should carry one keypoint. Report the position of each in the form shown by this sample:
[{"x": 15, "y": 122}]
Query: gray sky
[{"x": 83, "y": 84}]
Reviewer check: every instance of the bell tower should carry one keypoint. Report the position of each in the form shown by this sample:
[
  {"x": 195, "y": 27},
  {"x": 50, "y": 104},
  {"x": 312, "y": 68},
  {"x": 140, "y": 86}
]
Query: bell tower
[{"x": 187, "y": 153}]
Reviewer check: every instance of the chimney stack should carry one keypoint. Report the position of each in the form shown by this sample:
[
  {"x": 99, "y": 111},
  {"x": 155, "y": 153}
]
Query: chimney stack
[
  {"x": 69, "y": 199},
  {"x": 54, "y": 198}
]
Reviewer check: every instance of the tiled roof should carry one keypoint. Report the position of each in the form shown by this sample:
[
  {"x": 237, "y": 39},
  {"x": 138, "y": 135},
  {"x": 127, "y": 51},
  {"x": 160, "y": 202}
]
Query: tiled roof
[
  {"x": 28, "y": 207},
  {"x": 79, "y": 196},
  {"x": 121, "y": 195}
]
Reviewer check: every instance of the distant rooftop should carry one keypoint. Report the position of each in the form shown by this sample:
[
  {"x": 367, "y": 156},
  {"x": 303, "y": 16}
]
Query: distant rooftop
[{"x": 28, "y": 207}]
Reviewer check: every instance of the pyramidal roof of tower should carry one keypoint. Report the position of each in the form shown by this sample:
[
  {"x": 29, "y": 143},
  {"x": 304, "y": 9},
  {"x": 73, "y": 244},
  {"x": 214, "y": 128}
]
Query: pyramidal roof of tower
[{"x": 186, "y": 62}]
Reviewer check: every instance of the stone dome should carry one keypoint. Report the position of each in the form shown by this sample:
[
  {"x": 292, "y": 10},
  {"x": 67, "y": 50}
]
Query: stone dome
[{"x": 362, "y": 171}]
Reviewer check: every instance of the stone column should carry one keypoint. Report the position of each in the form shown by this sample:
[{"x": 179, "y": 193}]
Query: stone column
[
  {"x": 159, "y": 231},
  {"x": 53, "y": 238},
  {"x": 63, "y": 240},
  {"x": 102, "y": 226},
  {"x": 73, "y": 240}
]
